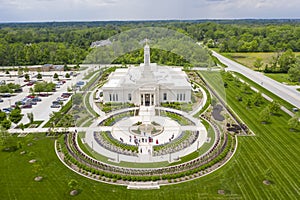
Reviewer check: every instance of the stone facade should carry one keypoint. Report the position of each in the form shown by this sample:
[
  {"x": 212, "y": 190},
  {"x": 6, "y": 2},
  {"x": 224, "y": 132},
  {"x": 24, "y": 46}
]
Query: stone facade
[{"x": 147, "y": 84}]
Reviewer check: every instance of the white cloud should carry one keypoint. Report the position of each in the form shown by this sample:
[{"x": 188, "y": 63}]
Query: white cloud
[{"x": 49, "y": 10}]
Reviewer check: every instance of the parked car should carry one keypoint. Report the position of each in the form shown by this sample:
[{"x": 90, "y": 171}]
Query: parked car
[
  {"x": 30, "y": 96},
  {"x": 7, "y": 110},
  {"x": 80, "y": 83},
  {"x": 32, "y": 102},
  {"x": 18, "y": 90},
  {"x": 27, "y": 106},
  {"x": 36, "y": 99},
  {"x": 66, "y": 95},
  {"x": 55, "y": 102},
  {"x": 55, "y": 106},
  {"x": 6, "y": 95},
  {"x": 43, "y": 95},
  {"x": 61, "y": 99}
]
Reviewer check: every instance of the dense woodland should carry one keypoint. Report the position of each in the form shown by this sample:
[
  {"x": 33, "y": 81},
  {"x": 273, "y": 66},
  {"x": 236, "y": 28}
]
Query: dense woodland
[{"x": 69, "y": 42}]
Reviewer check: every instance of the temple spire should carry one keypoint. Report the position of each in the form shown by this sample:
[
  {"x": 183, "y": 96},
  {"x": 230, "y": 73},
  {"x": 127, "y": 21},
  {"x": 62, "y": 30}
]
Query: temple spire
[{"x": 146, "y": 54}]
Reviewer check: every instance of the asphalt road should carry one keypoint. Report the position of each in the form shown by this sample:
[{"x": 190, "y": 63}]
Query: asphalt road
[{"x": 288, "y": 93}]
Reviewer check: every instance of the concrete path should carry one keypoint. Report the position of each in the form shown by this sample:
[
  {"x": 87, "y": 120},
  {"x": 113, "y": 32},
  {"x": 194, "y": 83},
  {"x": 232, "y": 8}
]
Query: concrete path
[
  {"x": 124, "y": 133},
  {"x": 202, "y": 103}
]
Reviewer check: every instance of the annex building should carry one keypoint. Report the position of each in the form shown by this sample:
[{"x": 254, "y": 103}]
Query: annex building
[{"x": 147, "y": 84}]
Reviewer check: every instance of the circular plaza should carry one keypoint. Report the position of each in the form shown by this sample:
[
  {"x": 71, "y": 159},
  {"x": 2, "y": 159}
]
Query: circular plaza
[
  {"x": 148, "y": 137},
  {"x": 148, "y": 129}
]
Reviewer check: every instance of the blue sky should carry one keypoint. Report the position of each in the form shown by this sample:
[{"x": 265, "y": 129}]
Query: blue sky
[{"x": 86, "y": 10}]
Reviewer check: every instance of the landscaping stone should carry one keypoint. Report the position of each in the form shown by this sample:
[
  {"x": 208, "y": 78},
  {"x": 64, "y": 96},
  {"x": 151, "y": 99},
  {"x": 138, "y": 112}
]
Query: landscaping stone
[
  {"x": 29, "y": 144},
  {"x": 38, "y": 178},
  {"x": 266, "y": 182},
  {"x": 221, "y": 192},
  {"x": 73, "y": 192},
  {"x": 22, "y": 152},
  {"x": 32, "y": 161}
]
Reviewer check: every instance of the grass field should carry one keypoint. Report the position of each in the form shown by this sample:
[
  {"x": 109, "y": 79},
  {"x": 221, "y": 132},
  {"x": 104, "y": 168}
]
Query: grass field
[
  {"x": 281, "y": 78},
  {"x": 265, "y": 91},
  {"x": 248, "y": 59},
  {"x": 273, "y": 154}
]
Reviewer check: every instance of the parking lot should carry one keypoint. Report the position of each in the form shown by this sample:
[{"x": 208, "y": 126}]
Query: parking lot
[{"x": 42, "y": 110}]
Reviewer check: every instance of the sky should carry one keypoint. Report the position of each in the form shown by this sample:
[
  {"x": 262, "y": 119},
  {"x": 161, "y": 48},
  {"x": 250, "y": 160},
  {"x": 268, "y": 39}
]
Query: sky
[{"x": 105, "y": 10}]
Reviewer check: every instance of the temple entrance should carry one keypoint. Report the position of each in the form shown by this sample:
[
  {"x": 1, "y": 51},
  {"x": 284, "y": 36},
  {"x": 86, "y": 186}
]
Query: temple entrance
[{"x": 147, "y": 99}]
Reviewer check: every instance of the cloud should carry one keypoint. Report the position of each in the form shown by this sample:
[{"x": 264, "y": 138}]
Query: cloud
[
  {"x": 215, "y": 0},
  {"x": 62, "y": 10}
]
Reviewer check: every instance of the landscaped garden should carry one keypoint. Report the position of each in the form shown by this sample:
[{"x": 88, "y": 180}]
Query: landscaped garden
[
  {"x": 176, "y": 117},
  {"x": 272, "y": 154}
]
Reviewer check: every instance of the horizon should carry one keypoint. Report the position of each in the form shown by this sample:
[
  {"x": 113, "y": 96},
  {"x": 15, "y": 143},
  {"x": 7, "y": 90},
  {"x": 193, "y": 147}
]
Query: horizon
[
  {"x": 144, "y": 10},
  {"x": 154, "y": 20}
]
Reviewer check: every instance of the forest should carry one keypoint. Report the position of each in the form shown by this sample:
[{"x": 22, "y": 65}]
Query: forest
[{"x": 70, "y": 42}]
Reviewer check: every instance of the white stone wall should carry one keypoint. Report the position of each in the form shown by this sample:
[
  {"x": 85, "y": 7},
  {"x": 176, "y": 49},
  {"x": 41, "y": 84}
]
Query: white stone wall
[{"x": 121, "y": 95}]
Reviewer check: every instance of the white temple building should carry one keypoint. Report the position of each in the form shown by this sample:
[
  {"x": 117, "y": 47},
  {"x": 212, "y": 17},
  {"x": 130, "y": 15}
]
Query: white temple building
[{"x": 147, "y": 84}]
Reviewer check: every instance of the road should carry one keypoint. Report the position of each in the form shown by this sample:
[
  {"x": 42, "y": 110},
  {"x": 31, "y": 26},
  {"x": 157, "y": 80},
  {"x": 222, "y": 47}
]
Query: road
[{"x": 288, "y": 93}]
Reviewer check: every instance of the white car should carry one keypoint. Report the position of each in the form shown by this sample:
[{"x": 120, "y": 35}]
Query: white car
[{"x": 61, "y": 99}]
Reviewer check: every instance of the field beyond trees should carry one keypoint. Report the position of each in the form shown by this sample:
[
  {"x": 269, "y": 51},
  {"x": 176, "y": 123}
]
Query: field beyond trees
[
  {"x": 248, "y": 59},
  {"x": 266, "y": 59}
]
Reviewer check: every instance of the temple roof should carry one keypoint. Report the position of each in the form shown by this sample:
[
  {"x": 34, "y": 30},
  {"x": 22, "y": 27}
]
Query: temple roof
[{"x": 148, "y": 73}]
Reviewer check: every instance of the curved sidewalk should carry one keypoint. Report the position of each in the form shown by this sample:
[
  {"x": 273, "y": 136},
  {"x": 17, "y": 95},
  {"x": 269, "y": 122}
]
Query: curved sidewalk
[{"x": 142, "y": 158}]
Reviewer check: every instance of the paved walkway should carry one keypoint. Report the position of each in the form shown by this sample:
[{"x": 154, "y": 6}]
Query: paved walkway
[
  {"x": 119, "y": 130},
  {"x": 202, "y": 103}
]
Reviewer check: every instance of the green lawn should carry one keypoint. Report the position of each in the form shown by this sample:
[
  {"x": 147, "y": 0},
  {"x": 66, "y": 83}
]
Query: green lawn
[
  {"x": 267, "y": 92},
  {"x": 248, "y": 59},
  {"x": 90, "y": 74},
  {"x": 273, "y": 154},
  {"x": 281, "y": 78},
  {"x": 88, "y": 105}
]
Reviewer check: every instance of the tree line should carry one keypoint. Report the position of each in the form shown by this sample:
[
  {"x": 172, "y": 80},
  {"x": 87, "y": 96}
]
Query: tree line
[{"x": 69, "y": 42}]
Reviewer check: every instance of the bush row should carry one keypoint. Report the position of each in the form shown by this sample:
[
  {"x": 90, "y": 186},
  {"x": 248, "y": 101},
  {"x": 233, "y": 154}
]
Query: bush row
[{"x": 92, "y": 171}]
